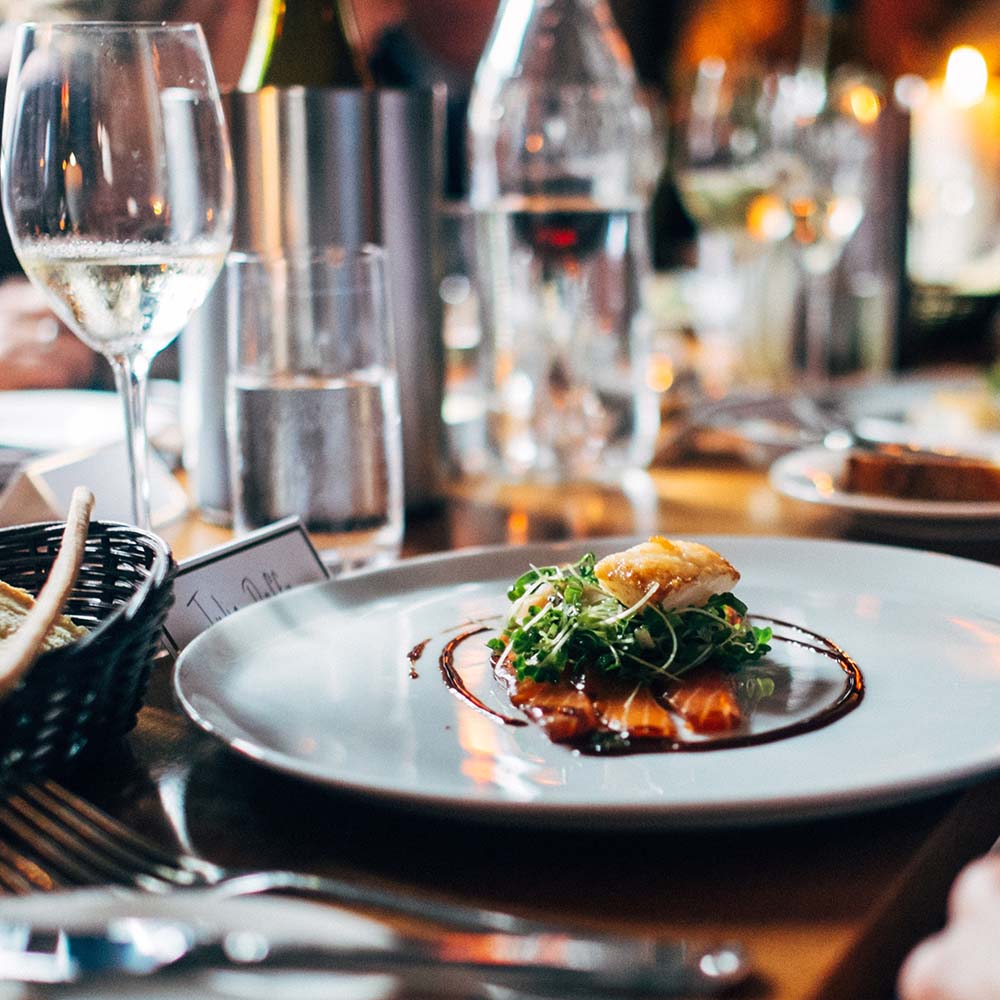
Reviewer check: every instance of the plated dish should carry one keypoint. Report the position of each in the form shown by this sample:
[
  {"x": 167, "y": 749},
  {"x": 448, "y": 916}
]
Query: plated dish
[
  {"x": 951, "y": 415},
  {"x": 953, "y": 412},
  {"x": 815, "y": 475},
  {"x": 341, "y": 683}
]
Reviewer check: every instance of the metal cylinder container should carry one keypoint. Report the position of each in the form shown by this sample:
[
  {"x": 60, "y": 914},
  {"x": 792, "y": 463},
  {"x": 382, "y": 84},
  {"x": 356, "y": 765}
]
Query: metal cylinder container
[{"x": 316, "y": 167}]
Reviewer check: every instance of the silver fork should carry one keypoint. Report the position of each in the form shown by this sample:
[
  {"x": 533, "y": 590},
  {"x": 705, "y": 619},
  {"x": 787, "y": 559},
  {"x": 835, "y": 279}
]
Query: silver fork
[
  {"x": 72, "y": 842},
  {"x": 63, "y": 840}
]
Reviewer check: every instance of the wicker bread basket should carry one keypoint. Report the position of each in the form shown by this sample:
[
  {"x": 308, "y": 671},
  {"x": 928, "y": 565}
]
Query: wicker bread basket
[{"x": 78, "y": 700}]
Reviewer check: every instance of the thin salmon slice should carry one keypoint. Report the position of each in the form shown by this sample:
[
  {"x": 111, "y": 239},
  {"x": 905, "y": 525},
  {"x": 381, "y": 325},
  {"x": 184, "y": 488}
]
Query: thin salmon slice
[
  {"x": 707, "y": 702},
  {"x": 561, "y": 709},
  {"x": 630, "y": 707},
  {"x": 565, "y": 713}
]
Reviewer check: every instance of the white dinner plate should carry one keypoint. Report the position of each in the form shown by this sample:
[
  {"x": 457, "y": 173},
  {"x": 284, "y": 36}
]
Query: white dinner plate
[
  {"x": 943, "y": 438},
  {"x": 47, "y": 420},
  {"x": 317, "y": 682},
  {"x": 814, "y": 475}
]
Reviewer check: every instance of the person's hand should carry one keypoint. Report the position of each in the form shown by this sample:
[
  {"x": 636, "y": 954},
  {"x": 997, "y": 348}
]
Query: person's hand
[
  {"x": 962, "y": 962},
  {"x": 36, "y": 350}
]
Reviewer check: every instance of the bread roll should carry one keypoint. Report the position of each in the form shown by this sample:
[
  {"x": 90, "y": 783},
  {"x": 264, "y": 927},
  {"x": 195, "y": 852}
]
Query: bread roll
[
  {"x": 14, "y": 605},
  {"x": 919, "y": 476}
]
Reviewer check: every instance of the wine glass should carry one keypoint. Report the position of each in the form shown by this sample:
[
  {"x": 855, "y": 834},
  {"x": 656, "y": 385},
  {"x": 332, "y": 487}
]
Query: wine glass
[
  {"x": 822, "y": 148},
  {"x": 722, "y": 157},
  {"x": 118, "y": 190},
  {"x": 725, "y": 172}
]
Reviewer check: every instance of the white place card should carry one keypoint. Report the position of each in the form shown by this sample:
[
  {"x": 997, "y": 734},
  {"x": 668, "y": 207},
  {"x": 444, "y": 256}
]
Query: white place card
[
  {"x": 41, "y": 490},
  {"x": 263, "y": 564}
]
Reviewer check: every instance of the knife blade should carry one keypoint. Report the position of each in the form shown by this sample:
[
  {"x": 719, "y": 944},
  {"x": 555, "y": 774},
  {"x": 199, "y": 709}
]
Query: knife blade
[{"x": 183, "y": 934}]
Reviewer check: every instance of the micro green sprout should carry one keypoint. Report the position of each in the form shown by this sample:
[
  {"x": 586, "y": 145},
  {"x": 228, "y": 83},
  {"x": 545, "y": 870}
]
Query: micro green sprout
[{"x": 563, "y": 620}]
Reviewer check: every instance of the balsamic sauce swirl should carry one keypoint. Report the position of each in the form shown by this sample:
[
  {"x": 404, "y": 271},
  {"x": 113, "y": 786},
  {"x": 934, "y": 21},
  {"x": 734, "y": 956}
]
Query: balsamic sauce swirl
[{"x": 605, "y": 744}]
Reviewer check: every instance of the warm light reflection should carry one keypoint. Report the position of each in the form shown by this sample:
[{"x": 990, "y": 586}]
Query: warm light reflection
[
  {"x": 534, "y": 142},
  {"x": 988, "y": 636},
  {"x": 910, "y": 91},
  {"x": 823, "y": 483},
  {"x": 864, "y": 103},
  {"x": 843, "y": 216},
  {"x": 966, "y": 77},
  {"x": 868, "y": 606},
  {"x": 477, "y": 736},
  {"x": 517, "y": 527},
  {"x": 660, "y": 372},
  {"x": 767, "y": 219}
]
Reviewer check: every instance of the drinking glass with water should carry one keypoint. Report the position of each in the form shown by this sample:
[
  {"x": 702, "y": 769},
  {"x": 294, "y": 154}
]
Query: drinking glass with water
[{"x": 312, "y": 400}]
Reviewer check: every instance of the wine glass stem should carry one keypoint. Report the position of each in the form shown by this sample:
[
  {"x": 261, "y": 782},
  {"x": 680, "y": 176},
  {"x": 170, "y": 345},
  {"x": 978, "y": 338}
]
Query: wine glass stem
[
  {"x": 131, "y": 376},
  {"x": 818, "y": 290}
]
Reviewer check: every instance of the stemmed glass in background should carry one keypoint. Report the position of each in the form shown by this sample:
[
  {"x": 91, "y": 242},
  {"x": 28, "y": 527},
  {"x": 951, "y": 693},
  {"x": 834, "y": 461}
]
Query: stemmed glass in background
[
  {"x": 725, "y": 173},
  {"x": 822, "y": 146},
  {"x": 765, "y": 159},
  {"x": 118, "y": 190}
]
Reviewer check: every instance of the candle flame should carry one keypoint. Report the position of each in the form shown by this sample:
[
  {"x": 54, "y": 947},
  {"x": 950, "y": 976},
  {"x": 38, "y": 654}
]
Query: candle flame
[{"x": 966, "y": 77}]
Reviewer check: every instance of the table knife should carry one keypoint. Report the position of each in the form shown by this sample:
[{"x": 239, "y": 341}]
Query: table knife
[{"x": 241, "y": 934}]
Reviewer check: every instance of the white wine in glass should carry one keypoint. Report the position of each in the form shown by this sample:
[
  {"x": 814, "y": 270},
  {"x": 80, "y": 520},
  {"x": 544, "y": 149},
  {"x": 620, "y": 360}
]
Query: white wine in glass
[{"x": 118, "y": 190}]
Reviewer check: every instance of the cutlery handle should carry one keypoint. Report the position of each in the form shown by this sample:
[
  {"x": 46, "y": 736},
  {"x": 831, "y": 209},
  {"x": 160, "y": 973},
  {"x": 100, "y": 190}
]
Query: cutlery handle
[
  {"x": 573, "y": 965},
  {"x": 453, "y": 915}
]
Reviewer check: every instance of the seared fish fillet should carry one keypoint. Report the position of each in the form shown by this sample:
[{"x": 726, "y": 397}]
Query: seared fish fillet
[{"x": 686, "y": 574}]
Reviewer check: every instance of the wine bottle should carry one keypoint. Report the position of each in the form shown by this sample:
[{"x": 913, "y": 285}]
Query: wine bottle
[{"x": 311, "y": 43}]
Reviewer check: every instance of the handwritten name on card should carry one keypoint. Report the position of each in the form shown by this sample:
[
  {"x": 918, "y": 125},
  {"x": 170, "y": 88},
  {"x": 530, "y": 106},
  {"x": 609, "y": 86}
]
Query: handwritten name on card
[{"x": 263, "y": 564}]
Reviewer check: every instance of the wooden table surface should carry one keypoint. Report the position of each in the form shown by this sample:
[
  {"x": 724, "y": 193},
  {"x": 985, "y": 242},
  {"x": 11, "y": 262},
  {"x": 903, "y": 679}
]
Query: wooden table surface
[{"x": 827, "y": 908}]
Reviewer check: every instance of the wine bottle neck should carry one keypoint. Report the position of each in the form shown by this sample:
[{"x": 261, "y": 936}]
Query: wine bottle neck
[
  {"x": 830, "y": 37},
  {"x": 310, "y": 43}
]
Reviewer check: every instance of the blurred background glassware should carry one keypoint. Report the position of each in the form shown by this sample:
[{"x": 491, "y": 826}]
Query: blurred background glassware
[
  {"x": 312, "y": 399},
  {"x": 726, "y": 174},
  {"x": 323, "y": 158},
  {"x": 823, "y": 138},
  {"x": 721, "y": 155},
  {"x": 953, "y": 248},
  {"x": 780, "y": 162},
  {"x": 120, "y": 210},
  {"x": 563, "y": 159}
]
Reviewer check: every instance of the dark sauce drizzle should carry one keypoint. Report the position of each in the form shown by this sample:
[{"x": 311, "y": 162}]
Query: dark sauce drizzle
[
  {"x": 414, "y": 655},
  {"x": 454, "y": 680},
  {"x": 609, "y": 744}
]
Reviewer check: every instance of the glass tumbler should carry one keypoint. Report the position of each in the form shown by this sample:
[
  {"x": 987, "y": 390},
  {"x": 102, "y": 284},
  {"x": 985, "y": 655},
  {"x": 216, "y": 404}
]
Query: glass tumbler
[{"x": 312, "y": 400}]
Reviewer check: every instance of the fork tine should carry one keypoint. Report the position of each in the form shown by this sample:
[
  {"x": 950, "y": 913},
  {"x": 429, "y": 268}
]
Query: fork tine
[
  {"x": 68, "y": 817},
  {"x": 80, "y": 857},
  {"x": 21, "y": 874},
  {"x": 90, "y": 821},
  {"x": 75, "y": 865},
  {"x": 11, "y": 880}
]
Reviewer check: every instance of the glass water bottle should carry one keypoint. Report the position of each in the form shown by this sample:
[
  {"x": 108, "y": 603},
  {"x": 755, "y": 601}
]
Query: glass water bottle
[{"x": 563, "y": 159}]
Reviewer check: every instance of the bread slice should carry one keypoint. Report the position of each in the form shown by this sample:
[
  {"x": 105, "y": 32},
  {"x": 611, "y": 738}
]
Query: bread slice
[
  {"x": 14, "y": 605},
  {"x": 920, "y": 476}
]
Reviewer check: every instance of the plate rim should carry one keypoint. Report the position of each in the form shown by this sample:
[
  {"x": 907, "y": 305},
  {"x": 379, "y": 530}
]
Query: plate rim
[{"x": 609, "y": 815}]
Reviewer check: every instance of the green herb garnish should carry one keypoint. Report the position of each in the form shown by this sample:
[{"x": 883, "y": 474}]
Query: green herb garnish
[{"x": 564, "y": 620}]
